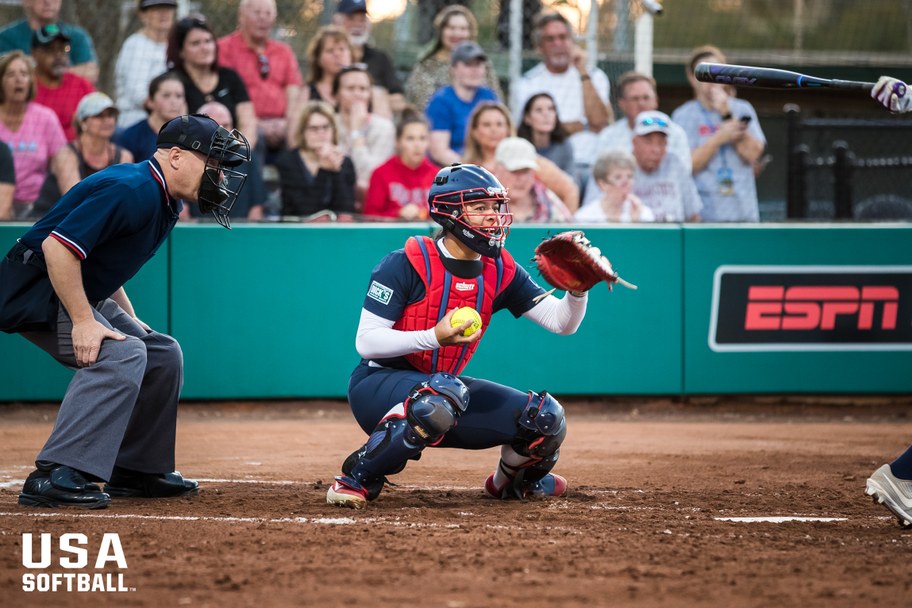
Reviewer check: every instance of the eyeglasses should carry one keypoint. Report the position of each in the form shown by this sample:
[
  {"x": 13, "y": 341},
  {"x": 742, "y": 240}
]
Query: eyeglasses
[
  {"x": 264, "y": 66},
  {"x": 318, "y": 128},
  {"x": 648, "y": 122}
]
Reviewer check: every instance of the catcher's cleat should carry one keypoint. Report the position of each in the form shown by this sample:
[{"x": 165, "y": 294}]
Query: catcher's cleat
[
  {"x": 893, "y": 493},
  {"x": 549, "y": 485},
  {"x": 346, "y": 492}
]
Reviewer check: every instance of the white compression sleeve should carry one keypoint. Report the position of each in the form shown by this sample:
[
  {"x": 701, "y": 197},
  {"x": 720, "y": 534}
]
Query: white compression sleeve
[
  {"x": 376, "y": 338},
  {"x": 559, "y": 316}
]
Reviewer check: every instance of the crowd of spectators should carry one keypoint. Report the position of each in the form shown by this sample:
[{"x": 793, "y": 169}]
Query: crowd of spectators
[{"x": 348, "y": 139}]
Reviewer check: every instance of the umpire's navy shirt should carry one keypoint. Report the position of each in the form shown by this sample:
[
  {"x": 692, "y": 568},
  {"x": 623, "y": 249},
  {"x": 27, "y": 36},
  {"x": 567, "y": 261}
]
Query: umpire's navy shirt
[{"x": 114, "y": 221}]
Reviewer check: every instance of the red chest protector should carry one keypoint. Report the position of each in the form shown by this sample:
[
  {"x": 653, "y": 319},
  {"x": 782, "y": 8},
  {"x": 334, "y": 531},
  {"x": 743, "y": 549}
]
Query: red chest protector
[{"x": 444, "y": 292}]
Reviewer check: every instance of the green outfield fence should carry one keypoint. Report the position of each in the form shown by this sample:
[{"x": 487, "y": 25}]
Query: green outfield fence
[{"x": 271, "y": 312}]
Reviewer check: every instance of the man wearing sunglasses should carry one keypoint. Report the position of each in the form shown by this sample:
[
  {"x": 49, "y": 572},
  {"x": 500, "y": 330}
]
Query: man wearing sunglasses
[
  {"x": 39, "y": 13},
  {"x": 661, "y": 180},
  {"x": 56, "y": 88},
  {"x": 636, "y": 92},
  {"x": 269, "y": 68}
]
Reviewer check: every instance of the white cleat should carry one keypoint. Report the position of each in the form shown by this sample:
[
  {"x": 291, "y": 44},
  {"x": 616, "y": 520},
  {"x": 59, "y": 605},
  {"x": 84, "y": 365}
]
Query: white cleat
[
  {"x": 345, "y": 492},
  {"x": 893, "y": 493}
]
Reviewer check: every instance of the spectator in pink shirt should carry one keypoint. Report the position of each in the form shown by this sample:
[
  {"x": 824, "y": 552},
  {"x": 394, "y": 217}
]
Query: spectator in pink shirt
[
  {"x": 32, "y": 132},
  {"x": 268, "y": 68}
]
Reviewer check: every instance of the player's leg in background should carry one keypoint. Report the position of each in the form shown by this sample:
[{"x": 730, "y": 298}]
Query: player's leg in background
[
  {"x": 529, "y": 427},
  {"x": 891, "y": 485}
]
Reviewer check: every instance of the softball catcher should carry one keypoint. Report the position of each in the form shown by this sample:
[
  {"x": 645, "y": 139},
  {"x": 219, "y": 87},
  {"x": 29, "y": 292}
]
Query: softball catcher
[{"x": 407, "y": 392}]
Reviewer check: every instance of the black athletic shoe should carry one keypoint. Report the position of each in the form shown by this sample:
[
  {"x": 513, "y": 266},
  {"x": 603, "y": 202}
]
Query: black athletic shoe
[
  {"x": 149, "y": 485},
  {"x": 56, "y": 485}
]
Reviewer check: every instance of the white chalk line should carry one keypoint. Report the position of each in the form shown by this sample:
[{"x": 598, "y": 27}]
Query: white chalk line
[
  {"x": 780, "y": 519},
  {"x": 328, "y": 521},
  {"x": 341, "y": 521},
  {"x": 348, "y": 520}
]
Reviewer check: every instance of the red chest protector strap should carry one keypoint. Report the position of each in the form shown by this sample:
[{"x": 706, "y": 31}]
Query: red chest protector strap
[{"x": 443, "y": 292}]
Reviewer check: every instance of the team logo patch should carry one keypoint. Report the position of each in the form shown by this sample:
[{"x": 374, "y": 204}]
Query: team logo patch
[
  {"x": 465, "y": 286},
  {"x": 380, "y": 292}
]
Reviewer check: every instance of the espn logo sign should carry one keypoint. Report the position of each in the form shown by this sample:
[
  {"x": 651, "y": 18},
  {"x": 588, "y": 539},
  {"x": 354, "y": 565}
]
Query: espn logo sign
[
  {"x": 801, "y": 308},
  {"x": 811, "y": 308}
]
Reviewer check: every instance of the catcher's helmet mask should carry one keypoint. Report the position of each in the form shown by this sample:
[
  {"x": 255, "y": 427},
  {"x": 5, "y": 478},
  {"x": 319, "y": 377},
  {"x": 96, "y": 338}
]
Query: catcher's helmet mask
[{"x": 457, "y": 186}]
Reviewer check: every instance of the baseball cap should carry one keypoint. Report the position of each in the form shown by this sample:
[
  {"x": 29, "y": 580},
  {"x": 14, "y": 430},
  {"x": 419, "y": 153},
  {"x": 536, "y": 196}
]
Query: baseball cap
[
  {"x": 348, "y": 7},
  {"x": 93, "y": 104},
  {"x": 48, "y": 34},
  {"x": 466, "y": 51},
  {"x": 144, "y": 4},
  {"x": 192, "y": 132},
  {"x": 516, "y": 153},
  {"x": 651, "y": 122}
]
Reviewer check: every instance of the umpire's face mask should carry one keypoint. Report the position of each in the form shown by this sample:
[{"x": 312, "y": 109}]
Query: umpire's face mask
[{"x": 221, "y": 184}]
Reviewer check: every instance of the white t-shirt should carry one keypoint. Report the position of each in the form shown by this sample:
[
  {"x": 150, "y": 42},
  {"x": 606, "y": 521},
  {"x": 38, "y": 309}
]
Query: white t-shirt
[
  {"x": 594, "y": 214},
  {"x": 139, "y": 61},
  {"x": 619, "y": 136},
  {"x": 567, "y": 91},
  {"x": 669, "y": 191}
]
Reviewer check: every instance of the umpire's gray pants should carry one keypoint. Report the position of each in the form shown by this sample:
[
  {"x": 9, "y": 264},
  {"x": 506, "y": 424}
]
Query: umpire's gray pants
[{"x": 123, "y": 409}]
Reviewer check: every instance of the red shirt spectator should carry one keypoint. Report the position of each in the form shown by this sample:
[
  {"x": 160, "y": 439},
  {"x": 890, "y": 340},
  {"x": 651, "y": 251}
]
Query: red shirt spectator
[
  {"x": 399, "y": 187},
  {"x": 269, "y": 69},
  {"x": 63, "y": 99},
  {"x": 280, "y": 67},
  {"x": 57, "y": 89},
  {"x": 395, "y": 186}
]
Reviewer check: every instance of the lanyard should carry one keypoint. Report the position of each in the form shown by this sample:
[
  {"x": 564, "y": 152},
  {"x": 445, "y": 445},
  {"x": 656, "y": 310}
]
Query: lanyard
[{"x": 712, "y": 129}]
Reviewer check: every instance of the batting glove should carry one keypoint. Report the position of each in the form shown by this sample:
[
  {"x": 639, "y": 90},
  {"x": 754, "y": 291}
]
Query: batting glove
[{"x": 892, "y": 94}]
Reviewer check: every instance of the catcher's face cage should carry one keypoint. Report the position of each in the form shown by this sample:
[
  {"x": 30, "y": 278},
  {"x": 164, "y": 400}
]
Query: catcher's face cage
[
  {"x": 454, "y": 210},
  {"x": 221, "y": 184}
]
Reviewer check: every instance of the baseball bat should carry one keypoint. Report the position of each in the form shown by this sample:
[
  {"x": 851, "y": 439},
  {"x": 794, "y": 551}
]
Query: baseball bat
[{"x": 771, "y": 78}]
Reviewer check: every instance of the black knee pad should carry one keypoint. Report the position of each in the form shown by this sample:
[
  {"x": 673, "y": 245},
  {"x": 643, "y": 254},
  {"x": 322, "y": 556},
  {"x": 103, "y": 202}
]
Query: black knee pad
[
  {"x": 433, "y": 405},
  {"x": 542, "y": 427},
  {"x": 430, "y": 416}
]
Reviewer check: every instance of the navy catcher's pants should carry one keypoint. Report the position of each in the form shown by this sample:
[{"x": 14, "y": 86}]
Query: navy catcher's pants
[{"x": 489, "y": 421}]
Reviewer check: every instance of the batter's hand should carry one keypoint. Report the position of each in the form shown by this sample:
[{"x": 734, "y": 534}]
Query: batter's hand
[
  {"x": 451, "y": 336},
  {"x": 893, "y": 94},
  {"x": 87, "y": 338}
]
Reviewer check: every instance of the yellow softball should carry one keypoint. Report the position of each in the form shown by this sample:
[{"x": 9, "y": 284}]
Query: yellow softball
[{"x": 466, "y": 313}]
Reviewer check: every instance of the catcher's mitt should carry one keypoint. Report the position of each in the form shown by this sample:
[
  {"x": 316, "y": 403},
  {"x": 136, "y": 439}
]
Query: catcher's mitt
[{"x": 568, "y": 261}]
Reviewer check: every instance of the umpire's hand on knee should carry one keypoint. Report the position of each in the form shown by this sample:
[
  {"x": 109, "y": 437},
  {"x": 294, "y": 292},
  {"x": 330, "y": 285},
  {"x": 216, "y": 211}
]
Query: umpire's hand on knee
[
  {"x": 87, "y": 338},
  {"x": 449, "y": 336}
]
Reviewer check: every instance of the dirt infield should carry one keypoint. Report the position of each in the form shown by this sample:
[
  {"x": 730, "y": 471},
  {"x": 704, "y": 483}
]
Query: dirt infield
[{"x": 642, "y": 525}]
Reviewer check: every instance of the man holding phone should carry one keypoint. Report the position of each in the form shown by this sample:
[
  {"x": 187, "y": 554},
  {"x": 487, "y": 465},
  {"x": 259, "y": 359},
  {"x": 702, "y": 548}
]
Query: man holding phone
[{"x": 726, "y": 142}]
